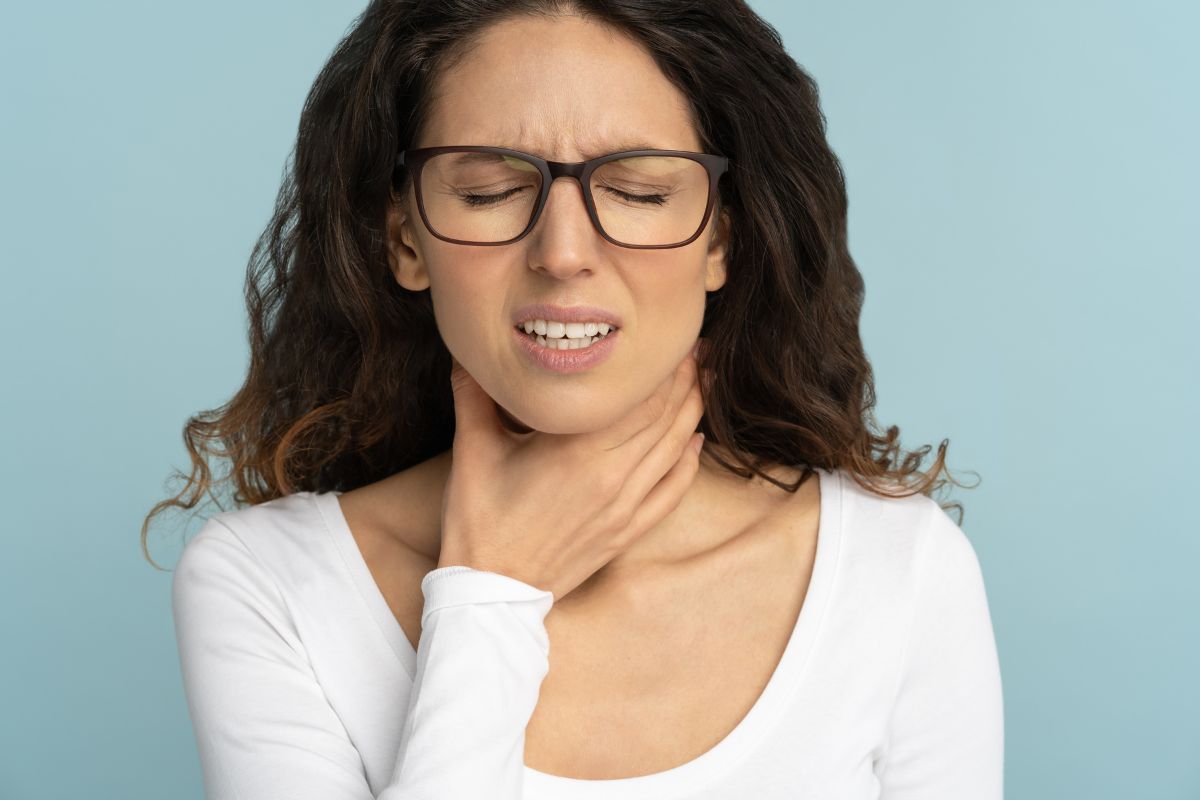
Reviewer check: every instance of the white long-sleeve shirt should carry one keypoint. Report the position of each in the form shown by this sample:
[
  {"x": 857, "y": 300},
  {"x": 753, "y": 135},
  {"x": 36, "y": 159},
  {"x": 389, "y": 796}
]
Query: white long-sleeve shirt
[{"x": 301, "y": 684}]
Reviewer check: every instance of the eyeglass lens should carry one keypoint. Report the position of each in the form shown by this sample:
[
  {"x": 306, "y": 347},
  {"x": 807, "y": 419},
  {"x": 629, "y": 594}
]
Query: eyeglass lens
[{"x": 490, "y": 197}]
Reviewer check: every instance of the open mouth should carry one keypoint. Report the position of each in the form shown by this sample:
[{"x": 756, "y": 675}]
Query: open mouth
[{"x": 590, "y": 335}]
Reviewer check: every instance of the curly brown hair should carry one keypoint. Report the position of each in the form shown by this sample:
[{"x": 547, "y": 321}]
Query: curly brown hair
[{"x": 348, "y": 379}]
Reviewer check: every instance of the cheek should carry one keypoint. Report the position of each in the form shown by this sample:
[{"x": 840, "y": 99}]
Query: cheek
[
  {"x": 460, "y": 320},
  {"x": 668, "y": 326},
  {"x": 665, "y": 287},
  {"x": 671, "y": 299},
  {"x": 463, "y": 288}
]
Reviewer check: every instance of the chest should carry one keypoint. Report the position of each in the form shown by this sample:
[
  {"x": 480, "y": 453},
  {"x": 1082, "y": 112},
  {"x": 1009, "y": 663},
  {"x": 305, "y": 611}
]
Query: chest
[
  {"x": 643, "y": 682},
  {"x": 646, "y": 690}
]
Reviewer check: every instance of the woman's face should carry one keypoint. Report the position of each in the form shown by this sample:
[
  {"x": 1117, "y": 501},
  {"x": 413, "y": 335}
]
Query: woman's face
[{"x": 565, "y": 89}]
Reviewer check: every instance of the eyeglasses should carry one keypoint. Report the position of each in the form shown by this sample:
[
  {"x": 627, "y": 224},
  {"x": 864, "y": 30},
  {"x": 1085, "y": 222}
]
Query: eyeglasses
[{"x": 645, "y": 199}]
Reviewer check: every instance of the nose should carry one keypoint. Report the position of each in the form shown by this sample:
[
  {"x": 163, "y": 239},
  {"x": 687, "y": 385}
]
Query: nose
[{"x": 564, "y": 241}]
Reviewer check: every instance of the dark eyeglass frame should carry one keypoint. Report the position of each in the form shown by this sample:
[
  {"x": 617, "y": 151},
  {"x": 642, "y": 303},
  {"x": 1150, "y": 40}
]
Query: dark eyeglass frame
[{"x": 414, "y": 160}]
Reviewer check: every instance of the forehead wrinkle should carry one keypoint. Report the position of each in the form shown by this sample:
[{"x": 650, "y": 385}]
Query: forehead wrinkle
[
  {"x": 574, "y": 131},
  {"x": 588, "y": 142},
  {"x": 563, "y": 144}
]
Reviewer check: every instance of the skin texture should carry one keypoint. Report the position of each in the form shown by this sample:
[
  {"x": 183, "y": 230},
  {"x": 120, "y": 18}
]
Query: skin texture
[{"x": 663, "y": 650}]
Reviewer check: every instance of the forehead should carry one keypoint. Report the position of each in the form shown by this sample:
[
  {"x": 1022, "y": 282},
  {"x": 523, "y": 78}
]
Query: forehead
[{"x": 565, "y": 88}]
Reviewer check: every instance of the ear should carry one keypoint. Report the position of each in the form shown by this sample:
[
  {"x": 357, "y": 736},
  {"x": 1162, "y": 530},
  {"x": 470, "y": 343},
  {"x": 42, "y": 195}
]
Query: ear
[
  {"x": 718, "y": 245},
  {"x": 404, "y": 256}
]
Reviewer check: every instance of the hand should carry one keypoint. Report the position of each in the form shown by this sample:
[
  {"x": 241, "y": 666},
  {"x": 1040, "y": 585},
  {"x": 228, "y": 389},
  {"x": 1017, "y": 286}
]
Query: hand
[{"x": 552, "y": 509}]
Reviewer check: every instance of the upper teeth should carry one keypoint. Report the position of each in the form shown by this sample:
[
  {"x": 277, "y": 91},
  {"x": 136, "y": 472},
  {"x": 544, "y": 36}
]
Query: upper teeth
[{"x": 571, "y": 330}]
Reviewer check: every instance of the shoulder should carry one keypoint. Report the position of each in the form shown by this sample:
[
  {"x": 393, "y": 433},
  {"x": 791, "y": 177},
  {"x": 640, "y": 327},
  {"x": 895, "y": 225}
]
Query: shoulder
[
  {"x": 275, "y": 544},
  {"x": 903, "y": 540},
  {"x": 226, "y": 591},
  {"x": 906, "y": 580}
]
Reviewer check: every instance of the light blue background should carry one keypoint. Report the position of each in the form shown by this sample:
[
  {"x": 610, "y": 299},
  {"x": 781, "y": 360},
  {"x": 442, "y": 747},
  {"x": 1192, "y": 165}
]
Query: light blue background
[{"x": 1023, "y": 181}]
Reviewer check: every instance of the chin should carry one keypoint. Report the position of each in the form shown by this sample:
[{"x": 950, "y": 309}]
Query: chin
[{"x": 561, "y": 419}]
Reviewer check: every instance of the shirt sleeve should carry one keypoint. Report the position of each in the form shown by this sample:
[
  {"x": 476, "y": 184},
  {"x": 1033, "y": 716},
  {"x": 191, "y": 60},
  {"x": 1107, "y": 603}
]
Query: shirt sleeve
[
  {"x": 265, "y": 730},
  {"x": 946, "y": 737},
  {"x": 481, "y": 659}
]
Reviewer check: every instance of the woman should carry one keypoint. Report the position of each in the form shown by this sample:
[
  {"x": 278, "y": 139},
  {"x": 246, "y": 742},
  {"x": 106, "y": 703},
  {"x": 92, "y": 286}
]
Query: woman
[{"x": 481, "y": 554}]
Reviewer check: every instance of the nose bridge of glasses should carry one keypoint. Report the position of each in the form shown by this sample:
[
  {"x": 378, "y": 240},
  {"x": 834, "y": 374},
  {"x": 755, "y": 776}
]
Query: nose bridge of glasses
[{"x": 562, "y": 169}]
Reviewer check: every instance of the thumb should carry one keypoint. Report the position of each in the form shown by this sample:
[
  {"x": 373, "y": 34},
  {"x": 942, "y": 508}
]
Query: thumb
[{"x": 474, "y": 410}]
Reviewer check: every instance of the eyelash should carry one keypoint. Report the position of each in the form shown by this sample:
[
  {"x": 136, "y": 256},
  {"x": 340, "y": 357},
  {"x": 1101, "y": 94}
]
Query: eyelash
[{"x": 480, "y": 200}]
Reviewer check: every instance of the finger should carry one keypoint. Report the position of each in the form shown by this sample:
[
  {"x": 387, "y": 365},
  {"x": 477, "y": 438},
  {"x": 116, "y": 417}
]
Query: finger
[
  {"x": 704, "y": 372},
  {"x": 641, "y": 443},
  {"x": 655, "y": 409},
  {"x": 668, "y": 492},
  {"x": 474, "y": 410},
  {"x": 665, "y": 452}
]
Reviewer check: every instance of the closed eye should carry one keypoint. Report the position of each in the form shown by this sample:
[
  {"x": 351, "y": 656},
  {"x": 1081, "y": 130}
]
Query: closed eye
[
  {"x": 478, "y": 200},
  {"x": 647, "y": 199}
]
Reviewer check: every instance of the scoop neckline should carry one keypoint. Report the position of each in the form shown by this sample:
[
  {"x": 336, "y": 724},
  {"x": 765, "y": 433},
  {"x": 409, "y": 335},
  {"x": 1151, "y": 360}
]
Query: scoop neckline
[{"x": 710, "y": 765}]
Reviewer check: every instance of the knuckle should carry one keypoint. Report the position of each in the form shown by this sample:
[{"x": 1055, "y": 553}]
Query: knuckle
[{"x": 617, "y": 517}]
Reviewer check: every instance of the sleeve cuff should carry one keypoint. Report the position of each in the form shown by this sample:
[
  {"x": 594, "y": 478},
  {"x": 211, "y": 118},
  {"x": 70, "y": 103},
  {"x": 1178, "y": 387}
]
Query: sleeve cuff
[{"x": 461, "y": 585}]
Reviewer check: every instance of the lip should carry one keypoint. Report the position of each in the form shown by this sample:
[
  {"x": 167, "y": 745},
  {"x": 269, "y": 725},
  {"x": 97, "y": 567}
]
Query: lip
[
  {"x": 567, "y": 361},
  {"x": 565, "y": 314}
]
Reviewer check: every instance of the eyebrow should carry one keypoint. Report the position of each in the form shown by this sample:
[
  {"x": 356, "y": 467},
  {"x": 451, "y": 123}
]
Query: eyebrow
[{"x": 617, "y": 147}]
